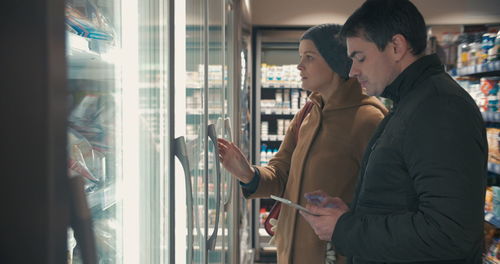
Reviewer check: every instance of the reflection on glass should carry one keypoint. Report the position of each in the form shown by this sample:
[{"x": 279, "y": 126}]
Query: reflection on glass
[
  {"x": 92, "y": 147},
  {"x": 216, "y": 115},
  {"x": 116, "y": 85},
  {"x": 195, "y": 124}
]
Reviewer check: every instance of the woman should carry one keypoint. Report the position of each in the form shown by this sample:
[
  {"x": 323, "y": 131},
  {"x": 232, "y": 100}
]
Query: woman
[{"x": 327, "y": 153}]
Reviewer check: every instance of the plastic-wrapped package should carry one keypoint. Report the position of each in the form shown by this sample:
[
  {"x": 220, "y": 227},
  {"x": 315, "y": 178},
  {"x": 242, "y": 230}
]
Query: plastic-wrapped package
[
  {"x": 94, "y": 121},
  {"x": 85, "y": 19},
  {"x": 105, "y": 231},
  {"x": 81, "y": 156}
]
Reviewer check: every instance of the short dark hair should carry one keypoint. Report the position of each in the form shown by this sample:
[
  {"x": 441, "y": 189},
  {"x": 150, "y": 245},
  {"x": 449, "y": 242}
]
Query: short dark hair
[{"x": 379, "y": 20}]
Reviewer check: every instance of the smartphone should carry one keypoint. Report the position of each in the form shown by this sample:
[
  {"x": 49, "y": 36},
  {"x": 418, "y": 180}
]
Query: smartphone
[
  {"x": 292, "y": 204},
  {"x": 318, "y": 200},
  {"x": 315, "y": 199}
]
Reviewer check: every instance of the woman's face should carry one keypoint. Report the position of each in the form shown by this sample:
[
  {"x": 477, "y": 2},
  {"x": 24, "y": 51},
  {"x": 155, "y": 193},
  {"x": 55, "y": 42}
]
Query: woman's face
[{"x": 316, "y": 75}]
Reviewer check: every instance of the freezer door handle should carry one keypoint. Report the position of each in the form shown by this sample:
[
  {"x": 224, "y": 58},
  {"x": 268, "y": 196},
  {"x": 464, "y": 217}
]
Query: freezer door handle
[
  {"x": 213, "y": 237},
  {"x": 180, "y": 151},
  {"x": 227, "y": 197}
]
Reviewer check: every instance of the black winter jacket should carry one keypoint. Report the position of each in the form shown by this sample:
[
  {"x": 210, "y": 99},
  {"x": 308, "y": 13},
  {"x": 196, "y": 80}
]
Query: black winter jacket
[{"x": 420, "y": 194}]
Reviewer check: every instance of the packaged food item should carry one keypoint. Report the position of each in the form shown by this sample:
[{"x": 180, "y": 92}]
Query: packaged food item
[
  {"x": 85, "y": 19},
  {"x": 81, "y": 156},
  {"x": 489, "y": 87},
  {"x": 93, "y": 118},
  {"x": 105, "y": 236},
  {"x": 494, "y": 52},
  {"x": 488, "y": 201},
  {"x": 496, "y": 200},
  {"x": 492, "y": 135},
  {"x": 463, "y": 51},
  {"x": 475, "y": 50},
  {"x": 487, "y": 42}
]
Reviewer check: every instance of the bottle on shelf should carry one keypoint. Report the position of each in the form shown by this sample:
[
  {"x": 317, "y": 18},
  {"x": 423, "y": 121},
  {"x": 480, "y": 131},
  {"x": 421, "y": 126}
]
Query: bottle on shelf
[
  {"x": 487, "y": 42},
  {"x": 263, "y": 155},
  {"x": 286, "y": 102},
  {"x": 280, "y": 76},
  {"x": 269, "y": 155},
  {"x": 303, "y": 98},
  {"x": 281, "y": 129},
  {"x": 494, "y": 51},
  {"x": 275, "y": 151},
  {"x": 463, "y": 51},
  {"x": 279, "y": 102},
  {"x": 295, "y": 101},
  {"x": 264, "y": 130},
  {"x": 475, "y": 50}
]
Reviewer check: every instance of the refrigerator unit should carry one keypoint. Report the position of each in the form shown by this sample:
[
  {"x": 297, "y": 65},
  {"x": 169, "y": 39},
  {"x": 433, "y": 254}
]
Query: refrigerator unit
[
  {"x": 126, "y": 98},
  {"x": 277, "y": 98},
  {"x": 117, "y": 128}
]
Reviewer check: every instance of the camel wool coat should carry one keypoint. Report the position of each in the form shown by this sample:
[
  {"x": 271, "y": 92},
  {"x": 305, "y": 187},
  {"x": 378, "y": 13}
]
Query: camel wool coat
[{"x": 327, "y": 156}]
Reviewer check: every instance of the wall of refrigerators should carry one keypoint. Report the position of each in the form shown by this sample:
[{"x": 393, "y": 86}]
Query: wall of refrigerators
[{"x": 142, "y": 93}]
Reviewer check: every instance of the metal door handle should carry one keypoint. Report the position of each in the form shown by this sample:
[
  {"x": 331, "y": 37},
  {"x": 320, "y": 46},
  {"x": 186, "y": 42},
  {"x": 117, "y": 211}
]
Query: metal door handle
[
  {"x": 213, "y": 237},
  {"x": 180, "y": 152},
  {"x": 227, "y": 127}
]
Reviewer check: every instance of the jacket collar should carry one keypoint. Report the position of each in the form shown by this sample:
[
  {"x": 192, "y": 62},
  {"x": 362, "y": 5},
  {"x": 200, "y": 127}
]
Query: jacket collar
[
  {"x": 349, "y": 94},
  {"x": 406, "y": 80}
]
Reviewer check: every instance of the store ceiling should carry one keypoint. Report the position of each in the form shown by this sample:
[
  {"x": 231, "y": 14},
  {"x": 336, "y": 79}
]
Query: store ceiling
[{"x": 313, "y": 12}]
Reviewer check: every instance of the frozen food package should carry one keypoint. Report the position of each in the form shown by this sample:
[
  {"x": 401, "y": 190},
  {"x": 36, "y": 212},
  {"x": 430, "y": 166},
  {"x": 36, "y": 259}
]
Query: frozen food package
[
  {"x": 85, "y": 19},
  {"x": 84, "y": 113},
  {"x": 99, "y": 165},
  {"x": 105, "y": 231},
  {"x": 81, "y": 156},
  {"x": 93, "y": 118}
]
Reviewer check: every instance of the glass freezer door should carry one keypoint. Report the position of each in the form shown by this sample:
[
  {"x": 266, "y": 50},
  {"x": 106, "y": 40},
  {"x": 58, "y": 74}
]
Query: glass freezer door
[
  {"x": 216, "y": 115},
  {"x": 202, "y": 232},
  {"x": 116, "y": 53}
]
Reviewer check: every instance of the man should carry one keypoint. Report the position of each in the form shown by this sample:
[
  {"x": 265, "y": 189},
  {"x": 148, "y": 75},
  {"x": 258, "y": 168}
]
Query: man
[{"x": 421, "y": 187}]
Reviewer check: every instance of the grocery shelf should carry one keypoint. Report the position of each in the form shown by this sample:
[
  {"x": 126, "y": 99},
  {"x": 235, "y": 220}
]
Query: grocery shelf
[
  {"x": 277, "y": 138},
  {"x": 102, "y": 199},
  {"x": 192, "y": 137},
  {"x": 485, "y": 69},
  {"x": 281, "y": 87},
  {"x": 492, "y": 219},
  {"x": 84, "y": 63},
  {"x": 490, "y": 260},
  {"x": 491, "y": 116},
  {"x": 275, "y": 112},
  {"x": 199, "y": 111},
  {"x": 200, "y": 88},
  {"x": 494, "y": 167},
  {"x": 269, "y": 140},
  {"x": 211, "y": 230}
]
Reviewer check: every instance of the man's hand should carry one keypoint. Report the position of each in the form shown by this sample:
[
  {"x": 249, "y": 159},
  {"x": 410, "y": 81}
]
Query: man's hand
[{"x": 329, "y": 210}]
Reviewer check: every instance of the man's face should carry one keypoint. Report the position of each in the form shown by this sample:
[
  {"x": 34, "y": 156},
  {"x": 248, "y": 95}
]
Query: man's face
[{"x": 373, "y": 68}]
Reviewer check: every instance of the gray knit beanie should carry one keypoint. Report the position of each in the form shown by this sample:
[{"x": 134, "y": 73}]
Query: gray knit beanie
[{"x": 331, "y": 48}]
